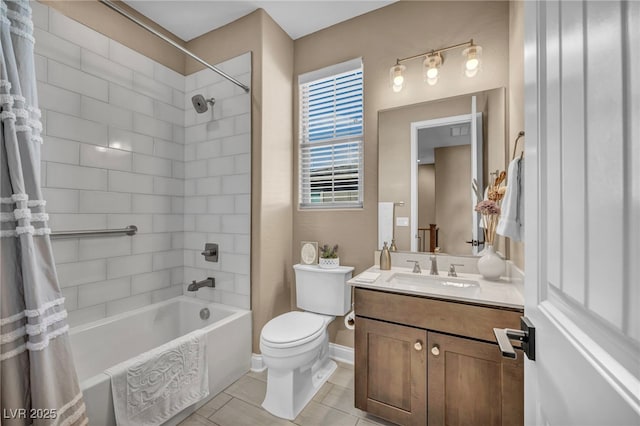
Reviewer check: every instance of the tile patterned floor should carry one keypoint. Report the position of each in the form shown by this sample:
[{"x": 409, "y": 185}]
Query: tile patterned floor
[{"x": 239, "y": 405}]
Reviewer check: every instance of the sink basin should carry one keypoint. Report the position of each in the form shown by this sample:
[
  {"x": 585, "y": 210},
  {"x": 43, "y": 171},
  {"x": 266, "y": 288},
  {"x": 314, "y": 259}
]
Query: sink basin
[{"x": 435, "y": 283}]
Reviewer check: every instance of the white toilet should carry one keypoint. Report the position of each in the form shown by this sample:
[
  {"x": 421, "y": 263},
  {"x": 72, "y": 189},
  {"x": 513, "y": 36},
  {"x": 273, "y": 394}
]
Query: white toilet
[{"x": 295, "y": 345}]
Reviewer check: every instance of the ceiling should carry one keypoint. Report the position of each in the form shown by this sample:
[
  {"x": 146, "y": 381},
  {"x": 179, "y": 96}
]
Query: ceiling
[
  {"x": 189, "y": 19},
  {"x": 441, "y": 136}
]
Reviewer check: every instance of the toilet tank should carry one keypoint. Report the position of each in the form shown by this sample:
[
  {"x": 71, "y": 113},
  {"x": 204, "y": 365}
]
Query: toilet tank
[{"x": 323, "y": 291}]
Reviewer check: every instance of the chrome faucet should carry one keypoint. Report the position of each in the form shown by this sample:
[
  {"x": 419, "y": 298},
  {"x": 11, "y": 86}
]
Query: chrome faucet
[
  {"x": 452, "y": 269},
  {"x": 208, "y": 282},
  {"x": 416, "y": 266},
  {"x": 434, "y": 265}
]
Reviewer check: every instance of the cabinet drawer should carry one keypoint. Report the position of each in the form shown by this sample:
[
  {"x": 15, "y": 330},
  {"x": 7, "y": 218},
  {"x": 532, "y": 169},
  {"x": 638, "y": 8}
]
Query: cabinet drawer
[{"x": 438, "y": 315}]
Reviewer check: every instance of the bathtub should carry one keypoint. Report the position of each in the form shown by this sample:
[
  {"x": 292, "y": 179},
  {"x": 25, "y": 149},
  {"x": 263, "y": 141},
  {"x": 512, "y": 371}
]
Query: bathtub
[{"x": 99, "y": 345}]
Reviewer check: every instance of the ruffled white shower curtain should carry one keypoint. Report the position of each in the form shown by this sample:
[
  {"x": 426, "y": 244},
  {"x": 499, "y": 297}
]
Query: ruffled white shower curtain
[{"x": 37, "y": 373}]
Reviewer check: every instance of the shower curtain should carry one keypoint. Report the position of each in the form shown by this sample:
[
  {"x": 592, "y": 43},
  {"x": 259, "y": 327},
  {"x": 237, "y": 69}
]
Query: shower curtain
[{"x": 38, "y": 382}]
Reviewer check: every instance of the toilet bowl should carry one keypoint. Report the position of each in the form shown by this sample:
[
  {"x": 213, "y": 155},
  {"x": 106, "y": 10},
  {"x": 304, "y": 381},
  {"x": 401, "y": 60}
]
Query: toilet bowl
[
  {"x": 298, "y": 361},
  {"x": 295, "y": 345}
]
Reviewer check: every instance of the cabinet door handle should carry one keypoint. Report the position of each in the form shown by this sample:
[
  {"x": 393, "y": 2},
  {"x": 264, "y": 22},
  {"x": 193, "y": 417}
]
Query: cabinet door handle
[
  {"x": 417, "y": 345},
  {"x": 435, "y": 350}
]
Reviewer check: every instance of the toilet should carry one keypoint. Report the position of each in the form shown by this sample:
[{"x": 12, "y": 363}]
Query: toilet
[{"x": 295, "y": 345}]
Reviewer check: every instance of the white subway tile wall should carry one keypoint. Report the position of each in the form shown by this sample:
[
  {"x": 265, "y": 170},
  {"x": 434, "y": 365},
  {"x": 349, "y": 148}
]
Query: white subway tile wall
[
  {"x": 119, "y": 149},
  {"x": 218, "y": 182}
]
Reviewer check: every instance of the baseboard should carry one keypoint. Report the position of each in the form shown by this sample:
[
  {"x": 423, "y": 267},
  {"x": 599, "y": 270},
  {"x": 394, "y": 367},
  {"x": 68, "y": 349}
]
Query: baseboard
[
  {"x": 336, "y": 352},
  {"x": 341, "y": 353}
]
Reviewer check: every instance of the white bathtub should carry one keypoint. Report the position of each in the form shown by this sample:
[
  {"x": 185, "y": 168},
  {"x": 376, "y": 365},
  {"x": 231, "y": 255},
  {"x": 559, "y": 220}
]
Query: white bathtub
[{"x": 105, "y": 343}]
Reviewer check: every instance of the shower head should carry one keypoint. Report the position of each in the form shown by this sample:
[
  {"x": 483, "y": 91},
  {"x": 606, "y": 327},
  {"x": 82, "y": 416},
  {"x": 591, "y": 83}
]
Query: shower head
[{"x": 200, "y": 103}]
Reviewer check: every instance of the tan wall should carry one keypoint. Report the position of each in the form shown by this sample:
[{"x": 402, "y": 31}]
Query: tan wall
[
  {"x": 516, "y": 97},
  {"x": 453, "y": 203},
  {"x": 426, "y": 196},
  {"x": 271, "y": 286},
  {"x": 380, "y": 37},
  {"x": 115, "y": 26}
]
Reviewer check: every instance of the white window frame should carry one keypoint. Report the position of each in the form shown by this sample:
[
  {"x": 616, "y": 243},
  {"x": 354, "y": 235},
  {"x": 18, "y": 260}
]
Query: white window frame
[{"x": 348, "y": 147}]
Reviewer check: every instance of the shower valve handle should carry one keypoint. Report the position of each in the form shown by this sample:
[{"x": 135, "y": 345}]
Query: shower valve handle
[{"x": 210, "y": 252}]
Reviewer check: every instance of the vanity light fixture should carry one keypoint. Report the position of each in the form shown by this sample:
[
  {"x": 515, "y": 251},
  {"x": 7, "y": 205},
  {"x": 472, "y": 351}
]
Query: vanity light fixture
[
  {"x": 432, "y": 63},
  {"x": 396, "y": 77},
  {"x": 472, "y": 62}
]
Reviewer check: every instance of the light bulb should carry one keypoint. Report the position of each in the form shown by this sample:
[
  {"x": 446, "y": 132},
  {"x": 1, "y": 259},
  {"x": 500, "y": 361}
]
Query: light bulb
[
  {"x": 472, "y": 56},
  {"x": 431, "y": 68},
  {"x": 396, "y": 77}
]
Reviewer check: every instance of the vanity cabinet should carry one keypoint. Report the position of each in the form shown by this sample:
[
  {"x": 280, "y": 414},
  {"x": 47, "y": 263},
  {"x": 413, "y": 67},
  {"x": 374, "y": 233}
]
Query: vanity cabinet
[
  {"x": 420, "y": 361},
  {"x": 391, "y": 379}
]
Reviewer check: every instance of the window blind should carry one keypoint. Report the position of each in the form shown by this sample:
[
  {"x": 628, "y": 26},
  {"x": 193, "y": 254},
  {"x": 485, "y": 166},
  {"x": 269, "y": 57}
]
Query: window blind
[{"x": 331, "y": 137}]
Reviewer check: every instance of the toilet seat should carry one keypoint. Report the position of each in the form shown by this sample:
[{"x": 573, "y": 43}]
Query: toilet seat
[{"x": 292, "y": 329}]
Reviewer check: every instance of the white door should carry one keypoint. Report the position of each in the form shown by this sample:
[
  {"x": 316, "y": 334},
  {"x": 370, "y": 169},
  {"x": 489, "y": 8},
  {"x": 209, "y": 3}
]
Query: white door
[{"x": 582, "y": 219}]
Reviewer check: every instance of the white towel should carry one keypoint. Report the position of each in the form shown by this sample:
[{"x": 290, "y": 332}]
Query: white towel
[
  {"x": 367, "y": 277},
  {"x": 385, "y": 223},
  {"x": 153, "y": 387},
  {"x": 511, "y": 223}
]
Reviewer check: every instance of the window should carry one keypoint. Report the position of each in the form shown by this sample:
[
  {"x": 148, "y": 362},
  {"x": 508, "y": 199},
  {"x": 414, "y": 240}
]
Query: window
[{"x": 331, "y": 137}]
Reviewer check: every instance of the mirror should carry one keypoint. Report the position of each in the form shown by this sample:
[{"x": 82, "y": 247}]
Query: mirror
[{"x": 427, "y": 155}]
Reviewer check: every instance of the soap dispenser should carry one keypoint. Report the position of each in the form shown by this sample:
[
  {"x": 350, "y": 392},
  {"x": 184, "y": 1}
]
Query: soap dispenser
[{"x": 385, "y": 258}]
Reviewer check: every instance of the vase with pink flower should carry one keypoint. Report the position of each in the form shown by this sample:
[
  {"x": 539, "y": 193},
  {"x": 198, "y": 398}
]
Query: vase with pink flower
[{"x": 490, "y": 265}]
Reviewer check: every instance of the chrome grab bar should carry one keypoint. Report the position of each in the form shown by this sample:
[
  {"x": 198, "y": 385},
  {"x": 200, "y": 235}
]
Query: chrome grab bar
[{"x": 129, "y": 230}]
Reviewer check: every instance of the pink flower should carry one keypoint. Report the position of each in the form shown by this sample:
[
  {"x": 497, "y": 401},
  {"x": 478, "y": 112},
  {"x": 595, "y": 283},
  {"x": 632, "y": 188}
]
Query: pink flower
[{"x": 488, "y": 207}]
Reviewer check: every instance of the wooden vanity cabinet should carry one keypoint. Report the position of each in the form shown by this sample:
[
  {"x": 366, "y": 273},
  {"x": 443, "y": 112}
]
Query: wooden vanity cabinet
[
  {"x": 422, "y": 361},
  {"x": 390, "y": 376}
]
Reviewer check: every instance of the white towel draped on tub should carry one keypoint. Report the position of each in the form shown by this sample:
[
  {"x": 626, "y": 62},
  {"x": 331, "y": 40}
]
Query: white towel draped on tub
[
  {"x": 511, "y": 222},
  {"x": 153, "y": 387}
]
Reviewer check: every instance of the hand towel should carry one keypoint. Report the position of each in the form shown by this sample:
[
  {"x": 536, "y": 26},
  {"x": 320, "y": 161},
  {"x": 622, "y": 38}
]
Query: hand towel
[
  {"x": 385, "y": 223},
  {"x": 367, "y": 277},
  {"x": 511, "y": 223},
  {"x": 153, "y": 387}
]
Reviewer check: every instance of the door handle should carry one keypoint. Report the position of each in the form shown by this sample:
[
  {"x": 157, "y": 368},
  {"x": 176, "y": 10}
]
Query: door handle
[{"x": 526, "y": 335}]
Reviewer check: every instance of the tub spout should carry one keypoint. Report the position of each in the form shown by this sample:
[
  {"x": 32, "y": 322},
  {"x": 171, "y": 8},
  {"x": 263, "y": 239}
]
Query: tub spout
[{"x": 208, "y": 282}]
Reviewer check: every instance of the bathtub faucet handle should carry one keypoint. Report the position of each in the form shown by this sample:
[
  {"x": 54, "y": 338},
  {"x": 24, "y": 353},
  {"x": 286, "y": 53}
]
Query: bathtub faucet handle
[{"x": 210, "y": 252}]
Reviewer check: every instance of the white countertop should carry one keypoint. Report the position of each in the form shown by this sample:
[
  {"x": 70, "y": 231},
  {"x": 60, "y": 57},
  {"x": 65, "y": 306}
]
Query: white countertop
[{"x": 502, "y": 293}]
